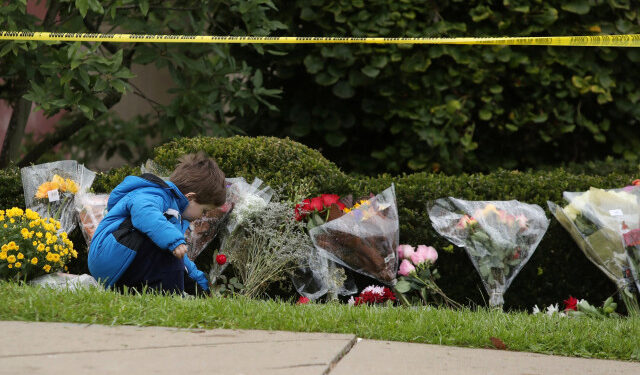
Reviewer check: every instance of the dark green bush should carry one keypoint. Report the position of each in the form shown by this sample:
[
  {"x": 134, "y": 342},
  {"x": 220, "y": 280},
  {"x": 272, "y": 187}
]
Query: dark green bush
[
  {"x": 556, "y": 270},
  {"x": 388, "y": 108}
]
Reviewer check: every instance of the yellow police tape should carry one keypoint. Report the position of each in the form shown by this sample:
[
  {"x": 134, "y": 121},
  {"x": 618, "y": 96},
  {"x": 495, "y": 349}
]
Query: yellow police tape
[{"x": 627, "y": 40}]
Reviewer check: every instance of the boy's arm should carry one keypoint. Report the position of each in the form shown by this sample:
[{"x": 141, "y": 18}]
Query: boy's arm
[
  {"x": 147, "y": 216},
  {"x": 195, "y": 274}
]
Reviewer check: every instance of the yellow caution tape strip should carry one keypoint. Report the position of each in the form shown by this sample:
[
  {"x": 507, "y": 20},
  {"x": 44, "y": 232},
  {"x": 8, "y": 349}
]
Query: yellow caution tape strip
[{"x": 628, "y": 40}]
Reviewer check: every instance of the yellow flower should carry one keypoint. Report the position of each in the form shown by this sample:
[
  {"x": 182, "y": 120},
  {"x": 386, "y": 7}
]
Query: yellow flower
[
  {"x": 5, "y": 225},
  {"x": 40, "y": 247},
  {"x": 18, "y": 264},
  {"x": 20, "y": 256},
  {"x": 55, "y": 257},
  {"x": 39, "y": 234},
  {"x": 11, "y": 259},
  {"x": 11, "y": 221},
  {"x": 3, "y": 255},
  {"x": 49, "y": 257},
  {"x": 10, "y": 266},
  {"x": 31, "y": 215},
  {"x": 34, "y": 260},
  {"x": 46, "y": 187},
  {"x": 71, "y": 186},
  {"x": 46, "y": 268},
  {"x": 35, "y": 243}
]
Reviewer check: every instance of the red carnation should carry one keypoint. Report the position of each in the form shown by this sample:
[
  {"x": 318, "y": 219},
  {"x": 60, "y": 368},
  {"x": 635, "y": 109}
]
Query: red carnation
[
  {"x": 221, "y": 259},
  {"x": 303, "y": 300},
  {"x": 571, "y": 304}
]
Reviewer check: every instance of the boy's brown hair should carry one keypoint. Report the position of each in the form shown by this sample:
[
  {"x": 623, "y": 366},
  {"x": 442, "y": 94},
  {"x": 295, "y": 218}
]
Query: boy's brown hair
[{"x": 200, "y": 174}]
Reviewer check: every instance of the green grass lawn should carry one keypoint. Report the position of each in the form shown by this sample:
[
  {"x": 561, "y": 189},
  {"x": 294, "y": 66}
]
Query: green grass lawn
[{"x": 607, "y": 338}]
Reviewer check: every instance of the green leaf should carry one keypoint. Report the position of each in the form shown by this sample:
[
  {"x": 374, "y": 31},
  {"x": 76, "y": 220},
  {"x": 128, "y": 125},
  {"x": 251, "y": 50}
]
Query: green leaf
[
  {"x": 370, "y": 71},
  {"x": 257, "y": 78},
  {"x": 343, "y": 90},
  {"x": 402, "y": 286},
  {"x": 313, "y": 63},
  {"x": 83, "y": 7},
  {"x": 335, "y": 139},
  {"x": 581, "y": 7},
  {"x": 485, "y": 114},
  {"x": 144, "y": 7}
]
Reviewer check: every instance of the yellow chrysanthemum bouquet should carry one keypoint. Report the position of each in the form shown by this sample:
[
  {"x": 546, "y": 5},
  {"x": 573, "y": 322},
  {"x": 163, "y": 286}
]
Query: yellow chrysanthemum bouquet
[
  {"x": 50, "y": 189},
  {"x": 31, "y": 246}
]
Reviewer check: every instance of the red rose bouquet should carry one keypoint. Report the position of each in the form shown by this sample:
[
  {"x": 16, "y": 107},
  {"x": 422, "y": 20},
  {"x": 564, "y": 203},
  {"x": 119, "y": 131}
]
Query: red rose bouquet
[{"x": 364, "y": 237}]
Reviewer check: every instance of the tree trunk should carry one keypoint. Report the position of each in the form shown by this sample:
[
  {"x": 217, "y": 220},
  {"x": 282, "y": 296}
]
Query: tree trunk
[{"x": 15, "y": 132}]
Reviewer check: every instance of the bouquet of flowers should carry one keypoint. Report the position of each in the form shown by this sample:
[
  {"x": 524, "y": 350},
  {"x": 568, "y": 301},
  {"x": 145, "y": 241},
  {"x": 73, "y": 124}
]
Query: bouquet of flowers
[
  {"x": 31, "y": 245},
  {"x": 91, "y": 209},
  {"x": 317, "y": 275},
  {"x": 603, "y": 223},
  {"x": 246, "y": 199},
  {"x": 203, "y": 231},
  {"x": 50, "y": 189},
  {"x": 418, "y": 275},
  {"x": 373, "y": 295},
  {"x": 364, "y": 237},
  {"x": 499, "y": 237}
]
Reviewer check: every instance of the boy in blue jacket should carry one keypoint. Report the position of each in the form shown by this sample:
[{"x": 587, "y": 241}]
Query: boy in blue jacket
[{"x": 140, "y": 242}]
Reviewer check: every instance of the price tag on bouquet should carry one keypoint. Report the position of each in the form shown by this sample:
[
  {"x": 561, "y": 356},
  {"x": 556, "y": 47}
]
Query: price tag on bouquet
[
  {"x": 616, "y": 213},
  {"x": 54, "y": 195}
]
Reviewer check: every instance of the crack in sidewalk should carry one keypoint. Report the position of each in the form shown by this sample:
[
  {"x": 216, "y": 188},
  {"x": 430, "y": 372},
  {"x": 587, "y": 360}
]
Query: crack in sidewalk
[
  {"x": 341, "y": 354},
  {"x": 159, "y": 347}
]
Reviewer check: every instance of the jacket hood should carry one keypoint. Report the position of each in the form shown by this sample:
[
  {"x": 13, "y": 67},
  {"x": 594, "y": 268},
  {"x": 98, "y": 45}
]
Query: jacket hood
[{"x": 132, "y": 183}]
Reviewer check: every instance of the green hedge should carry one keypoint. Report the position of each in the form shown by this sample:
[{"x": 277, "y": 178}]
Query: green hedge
[
  {"x": 388, "y": 108},
  {"x": 557, "y": 269}
]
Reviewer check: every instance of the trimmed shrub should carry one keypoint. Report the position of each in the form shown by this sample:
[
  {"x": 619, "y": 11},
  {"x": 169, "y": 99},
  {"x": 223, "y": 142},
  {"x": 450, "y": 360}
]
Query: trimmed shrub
[{"x": 557, "y": 269}]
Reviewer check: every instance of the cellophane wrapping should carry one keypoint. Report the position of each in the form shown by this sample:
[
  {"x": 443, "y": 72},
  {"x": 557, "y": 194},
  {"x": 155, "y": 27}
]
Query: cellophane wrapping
[
  {"x": 498, "y": 236},
  {"x": 50, "y": 189},
  {"x": 364, "y": 239},
  {"x": 91, "y": 209},
  {"x": 605, "y": 224}
]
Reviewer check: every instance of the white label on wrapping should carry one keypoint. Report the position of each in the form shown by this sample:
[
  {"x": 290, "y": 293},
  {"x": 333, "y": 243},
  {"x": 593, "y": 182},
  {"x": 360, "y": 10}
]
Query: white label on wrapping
[
  {"x": 616, "y": 213},
  {"x": 54, "y": 195}
]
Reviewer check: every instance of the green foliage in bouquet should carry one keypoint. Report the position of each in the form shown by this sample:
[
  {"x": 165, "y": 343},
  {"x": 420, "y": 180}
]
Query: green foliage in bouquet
[{"x": 283, "y": 162}]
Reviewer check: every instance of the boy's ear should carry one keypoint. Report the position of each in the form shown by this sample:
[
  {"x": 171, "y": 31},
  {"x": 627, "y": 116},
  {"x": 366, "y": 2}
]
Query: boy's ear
[{"x": 190, "y": 196}]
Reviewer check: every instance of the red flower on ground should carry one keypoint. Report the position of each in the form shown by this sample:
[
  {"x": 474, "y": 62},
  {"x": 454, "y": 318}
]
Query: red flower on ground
[
  {"x": 636, "y": 182},
  {"x": 221, "y": 259},
  {"x": 303, "y": 300},
  {"x": 571, "y": 304}
]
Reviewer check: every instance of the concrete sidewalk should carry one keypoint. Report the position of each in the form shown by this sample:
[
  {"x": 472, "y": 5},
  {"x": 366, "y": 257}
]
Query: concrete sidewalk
[{"x": 62, "y": 348}]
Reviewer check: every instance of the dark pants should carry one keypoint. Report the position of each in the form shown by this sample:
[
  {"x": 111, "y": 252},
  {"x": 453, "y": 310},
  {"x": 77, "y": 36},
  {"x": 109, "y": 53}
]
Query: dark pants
[{"x": 155, "y": 268}]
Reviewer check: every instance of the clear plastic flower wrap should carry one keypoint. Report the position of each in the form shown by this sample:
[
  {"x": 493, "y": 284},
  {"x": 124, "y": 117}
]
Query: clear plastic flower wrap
[
  {"x": 604, "y": 223},
  {"x": 499, "y": 237},
  {"x": 317, "y": 276},
  {"x": 365, "y": 238},
  {"x": 50, "y": 189},
  {"x": 91, "y": 209},
  {"x": 204, "y": 230},
  {"x": 246, "y": 199}
]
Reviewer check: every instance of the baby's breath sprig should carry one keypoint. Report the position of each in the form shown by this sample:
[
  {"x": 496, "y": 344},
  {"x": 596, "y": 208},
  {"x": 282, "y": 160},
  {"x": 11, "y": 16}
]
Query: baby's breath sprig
[{"x": 31, "y": 246}]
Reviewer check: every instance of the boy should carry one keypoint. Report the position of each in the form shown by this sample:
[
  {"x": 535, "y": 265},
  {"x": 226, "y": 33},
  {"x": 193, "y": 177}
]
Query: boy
[{"x": 141, "y": 239}]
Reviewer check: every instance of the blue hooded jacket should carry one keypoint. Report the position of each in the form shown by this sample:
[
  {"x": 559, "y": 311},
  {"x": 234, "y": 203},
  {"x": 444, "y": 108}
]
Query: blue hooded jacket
[{"x": 139, "y": 209}]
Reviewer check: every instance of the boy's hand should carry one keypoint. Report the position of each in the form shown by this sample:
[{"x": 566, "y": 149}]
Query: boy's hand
[{"x": 180, "y": 251}]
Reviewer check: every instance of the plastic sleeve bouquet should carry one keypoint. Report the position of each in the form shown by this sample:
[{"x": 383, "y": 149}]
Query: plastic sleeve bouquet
[
  {"x": 317, "y": 275},
  {"x": 31, "y": 245},
  {"x": 204, "y": 230},
  {"x": 91, "y": 209},
  {"x": 363, "y": 238},
  {"x": 603, "y": 223},
  {"x": 50, "y": 189},
  {"x": 499, "y": 237}
]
